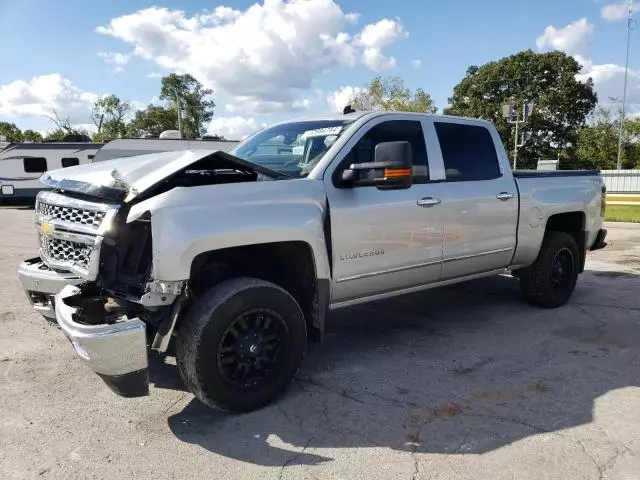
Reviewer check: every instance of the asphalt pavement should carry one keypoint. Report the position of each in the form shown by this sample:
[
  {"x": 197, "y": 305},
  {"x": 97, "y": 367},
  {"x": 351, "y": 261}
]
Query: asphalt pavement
[{"x": 464, "y": 382}]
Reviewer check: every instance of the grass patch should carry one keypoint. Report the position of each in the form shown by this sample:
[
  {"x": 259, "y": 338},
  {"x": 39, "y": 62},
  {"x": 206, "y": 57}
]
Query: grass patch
[{"x": 622, "y": 213}]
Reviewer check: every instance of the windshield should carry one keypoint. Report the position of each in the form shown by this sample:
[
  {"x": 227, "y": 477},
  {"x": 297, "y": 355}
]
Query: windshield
[{"x": 292, "y": 148}]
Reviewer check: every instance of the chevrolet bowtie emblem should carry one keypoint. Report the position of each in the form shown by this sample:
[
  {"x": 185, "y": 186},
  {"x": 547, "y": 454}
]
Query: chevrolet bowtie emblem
[{"x": 46, "y": 227}]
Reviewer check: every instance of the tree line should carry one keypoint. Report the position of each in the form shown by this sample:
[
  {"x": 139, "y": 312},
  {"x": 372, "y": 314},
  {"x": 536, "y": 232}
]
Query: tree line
[
  {"x": 567, "y": 122},
  {"x": 115, "y": 118}
]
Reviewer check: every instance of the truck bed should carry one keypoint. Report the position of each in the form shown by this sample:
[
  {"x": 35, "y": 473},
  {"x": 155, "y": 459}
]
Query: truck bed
[{"x": 553, "y": 173}]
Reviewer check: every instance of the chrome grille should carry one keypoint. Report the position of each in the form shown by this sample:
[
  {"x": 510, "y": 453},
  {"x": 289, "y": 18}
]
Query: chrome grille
[
  {"x": 65, "y": 251},
  {"x": 71, "y": 232},
  {"x": 72, "y": 215}
]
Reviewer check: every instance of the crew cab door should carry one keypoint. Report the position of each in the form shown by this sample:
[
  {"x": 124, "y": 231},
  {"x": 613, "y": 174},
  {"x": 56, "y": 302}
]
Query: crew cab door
[
  {"x": 383, "y": 240},
  {"x": 480, "y": 201}
]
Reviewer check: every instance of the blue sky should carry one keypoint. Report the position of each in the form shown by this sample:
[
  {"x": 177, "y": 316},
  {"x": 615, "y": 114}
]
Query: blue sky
[{"x": 56, "y": 56}]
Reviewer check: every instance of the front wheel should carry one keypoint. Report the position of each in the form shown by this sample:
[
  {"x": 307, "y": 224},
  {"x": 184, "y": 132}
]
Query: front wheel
[
  {"x": 241, "y": 344},
  {"x": 552, "y": 278}
]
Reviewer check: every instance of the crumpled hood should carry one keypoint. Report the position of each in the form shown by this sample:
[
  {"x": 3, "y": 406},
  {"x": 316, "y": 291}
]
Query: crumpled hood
[{"x": 125, "y": 178}]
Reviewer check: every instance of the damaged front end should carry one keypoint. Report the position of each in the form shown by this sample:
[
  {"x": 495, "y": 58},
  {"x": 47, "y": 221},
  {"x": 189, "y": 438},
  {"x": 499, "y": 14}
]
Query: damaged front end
[
  {"x": 94, "y": 274},
  {"x": 113, "y": 344}
]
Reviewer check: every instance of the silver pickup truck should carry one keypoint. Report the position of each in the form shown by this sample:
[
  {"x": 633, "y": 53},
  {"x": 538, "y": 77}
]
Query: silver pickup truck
[{"x": 239, "y": 256}]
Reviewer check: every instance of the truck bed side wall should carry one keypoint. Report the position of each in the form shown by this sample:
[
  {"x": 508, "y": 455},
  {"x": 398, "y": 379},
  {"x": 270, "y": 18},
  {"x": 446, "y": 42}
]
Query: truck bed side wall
[{"x": 543, "y": 197}]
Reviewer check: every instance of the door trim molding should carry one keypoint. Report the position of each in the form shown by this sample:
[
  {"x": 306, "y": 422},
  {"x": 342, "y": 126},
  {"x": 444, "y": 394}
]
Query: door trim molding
[
  {"x": 417, "y": 288},
  {"x": 361, "y": 276},
  {"x": 482, "y": 254}
]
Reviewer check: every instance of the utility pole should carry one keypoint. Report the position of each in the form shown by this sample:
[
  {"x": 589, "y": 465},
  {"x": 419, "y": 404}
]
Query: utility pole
[
  {"x": 630, "y": 26},
  {"x": 511, "y": 113},
  {"x": 179, "y": 113}
]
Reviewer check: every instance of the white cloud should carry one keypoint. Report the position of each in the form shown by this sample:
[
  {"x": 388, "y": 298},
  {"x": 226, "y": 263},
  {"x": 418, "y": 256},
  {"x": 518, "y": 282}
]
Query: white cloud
[
  {"x": 608, "y": 79},
  {"x": 416, "y": 63},
  {"x": 234, "y": 128},
  {"x": 118, "y": 60},
  {"x": 618, "y": 11},
  {"x": 381, "y": 34},
  {"x": 35, "y": 97},
  {"x": 154, "y": 75},
  {"x": 609, "y": 83},
  {"x": 376, "y": 61},
  {"x": 572, "y": 38},
  {"x": 374, "y": 37},
  {"x": 269, "y": 52},
  {"x": 257, "y": 106},
  {"x": 338, "y": 99}
]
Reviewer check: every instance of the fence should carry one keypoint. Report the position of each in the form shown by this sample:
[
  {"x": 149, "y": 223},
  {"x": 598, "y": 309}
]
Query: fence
[{"x": 621, "y": 181}]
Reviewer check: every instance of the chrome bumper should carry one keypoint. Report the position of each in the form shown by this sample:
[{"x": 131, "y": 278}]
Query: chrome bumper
[
  {"x": 117, "y": 352},
  {"x": 41, "y": 284}
]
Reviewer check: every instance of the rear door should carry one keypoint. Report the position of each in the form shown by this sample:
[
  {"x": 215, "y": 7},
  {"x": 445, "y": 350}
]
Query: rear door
[{"x": 480, "y": 202}]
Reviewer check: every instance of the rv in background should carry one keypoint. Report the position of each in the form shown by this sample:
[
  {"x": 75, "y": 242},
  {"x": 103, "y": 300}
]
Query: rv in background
[
  {"x": 22, "y": 164},
  {"x": 127, "y": 147}
]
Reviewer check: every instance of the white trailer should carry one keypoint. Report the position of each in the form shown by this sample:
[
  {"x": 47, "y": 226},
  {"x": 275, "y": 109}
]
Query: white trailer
[{"x": 22, "y": 164}]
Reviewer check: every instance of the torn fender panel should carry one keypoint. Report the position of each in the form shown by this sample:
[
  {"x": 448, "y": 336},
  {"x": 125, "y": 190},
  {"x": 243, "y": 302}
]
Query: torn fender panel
[{"x": 189, "y": 221}]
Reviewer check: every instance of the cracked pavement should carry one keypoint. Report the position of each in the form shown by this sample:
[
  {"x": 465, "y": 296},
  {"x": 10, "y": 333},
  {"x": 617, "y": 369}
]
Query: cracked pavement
[{"x": 465, "y": 382}]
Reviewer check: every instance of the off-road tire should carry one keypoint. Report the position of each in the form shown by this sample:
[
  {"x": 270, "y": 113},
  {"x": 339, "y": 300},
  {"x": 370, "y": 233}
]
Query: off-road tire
[
  {"x": 201, "y": 331},
  {"x": 536, "y": 280}
]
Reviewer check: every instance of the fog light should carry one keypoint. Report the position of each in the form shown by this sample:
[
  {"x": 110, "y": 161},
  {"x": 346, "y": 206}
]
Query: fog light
[{"x": 7, "y": 190}]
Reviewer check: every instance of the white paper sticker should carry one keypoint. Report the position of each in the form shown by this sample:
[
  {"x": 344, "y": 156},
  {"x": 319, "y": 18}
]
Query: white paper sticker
[{"x": 321, "y": 132}]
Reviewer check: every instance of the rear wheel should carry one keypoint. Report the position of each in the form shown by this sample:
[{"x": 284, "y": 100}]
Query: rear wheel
[
  {"x": 241, "y": 344},
  {"x": 551, "y": 280}
]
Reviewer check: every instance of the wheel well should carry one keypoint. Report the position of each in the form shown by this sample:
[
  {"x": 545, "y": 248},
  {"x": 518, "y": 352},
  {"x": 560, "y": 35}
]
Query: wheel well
[
  {"x": 287, "y": 264},
  {"x": 572, "y": 223}
]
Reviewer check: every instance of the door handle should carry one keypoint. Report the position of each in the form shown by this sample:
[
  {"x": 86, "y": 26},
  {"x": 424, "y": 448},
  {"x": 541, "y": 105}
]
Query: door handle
[
  {"x": 428, "y": 202},
  {"x": 504, "y": 196}
]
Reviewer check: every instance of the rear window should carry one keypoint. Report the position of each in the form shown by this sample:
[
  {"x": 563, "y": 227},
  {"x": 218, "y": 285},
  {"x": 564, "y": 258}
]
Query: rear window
[
  {"x": 70, "y": 162},
  {"x": 468, "y": 152},
  {"x": 35, "y": 164}
]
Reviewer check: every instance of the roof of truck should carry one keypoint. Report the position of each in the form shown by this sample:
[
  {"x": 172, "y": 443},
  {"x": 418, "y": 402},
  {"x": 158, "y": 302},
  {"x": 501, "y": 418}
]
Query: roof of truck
[{"x": 373, "y": 113}]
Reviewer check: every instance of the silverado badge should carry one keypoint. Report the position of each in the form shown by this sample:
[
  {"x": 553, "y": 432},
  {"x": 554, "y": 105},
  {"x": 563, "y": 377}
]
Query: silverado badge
[
  {"x": 365, "y": 253},
  {"x": 46, "y": 227}
]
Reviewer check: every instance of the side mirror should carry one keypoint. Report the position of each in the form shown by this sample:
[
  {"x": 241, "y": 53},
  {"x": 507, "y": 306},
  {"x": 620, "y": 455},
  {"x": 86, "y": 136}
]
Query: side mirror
[{"x": 391, "y": 168}]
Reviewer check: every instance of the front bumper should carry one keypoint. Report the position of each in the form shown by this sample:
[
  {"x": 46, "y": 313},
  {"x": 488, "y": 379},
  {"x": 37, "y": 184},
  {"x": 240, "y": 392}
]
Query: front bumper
[
  {"x": 117, "y": 352},
  {"x": 41, "y": 284}
]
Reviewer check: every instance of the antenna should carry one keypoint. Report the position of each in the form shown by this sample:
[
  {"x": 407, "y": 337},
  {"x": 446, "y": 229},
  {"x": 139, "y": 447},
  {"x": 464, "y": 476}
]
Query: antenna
[{"x": 631, "y": 25}]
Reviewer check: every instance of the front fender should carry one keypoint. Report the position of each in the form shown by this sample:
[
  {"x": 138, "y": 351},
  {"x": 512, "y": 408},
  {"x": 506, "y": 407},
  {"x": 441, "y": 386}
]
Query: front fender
[{"x": 188, "y": 221}]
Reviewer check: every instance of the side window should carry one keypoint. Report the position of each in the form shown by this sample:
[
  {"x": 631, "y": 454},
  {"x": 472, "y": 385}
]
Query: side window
[
  {"x": 70, "y": 162},
  {"x": 393, "y": 131},
  {"x": 34, "y": 164},
  {"x": 468, "y": 152}
]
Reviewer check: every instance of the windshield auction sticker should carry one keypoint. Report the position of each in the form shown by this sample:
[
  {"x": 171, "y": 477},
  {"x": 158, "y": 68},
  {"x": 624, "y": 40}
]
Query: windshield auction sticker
[{"x": 321, "y": 132}]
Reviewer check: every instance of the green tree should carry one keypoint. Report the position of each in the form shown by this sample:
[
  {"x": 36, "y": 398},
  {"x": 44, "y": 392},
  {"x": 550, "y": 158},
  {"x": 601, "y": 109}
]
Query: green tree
[
  {"x": 153, "y": 120},
  {"x": 108, "y": 114},
  {"x": 195, "y": 100},
  {"x": 391, "y": 94},
  {"x": 562, "y": 103},
  {"x": 55, "y": 135},
  {"x": 597, "y": 144},
  {"x": 32, "y": 136},
  {"x": 63, "y": 124},
  {"x": 11, "y": 131}
]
